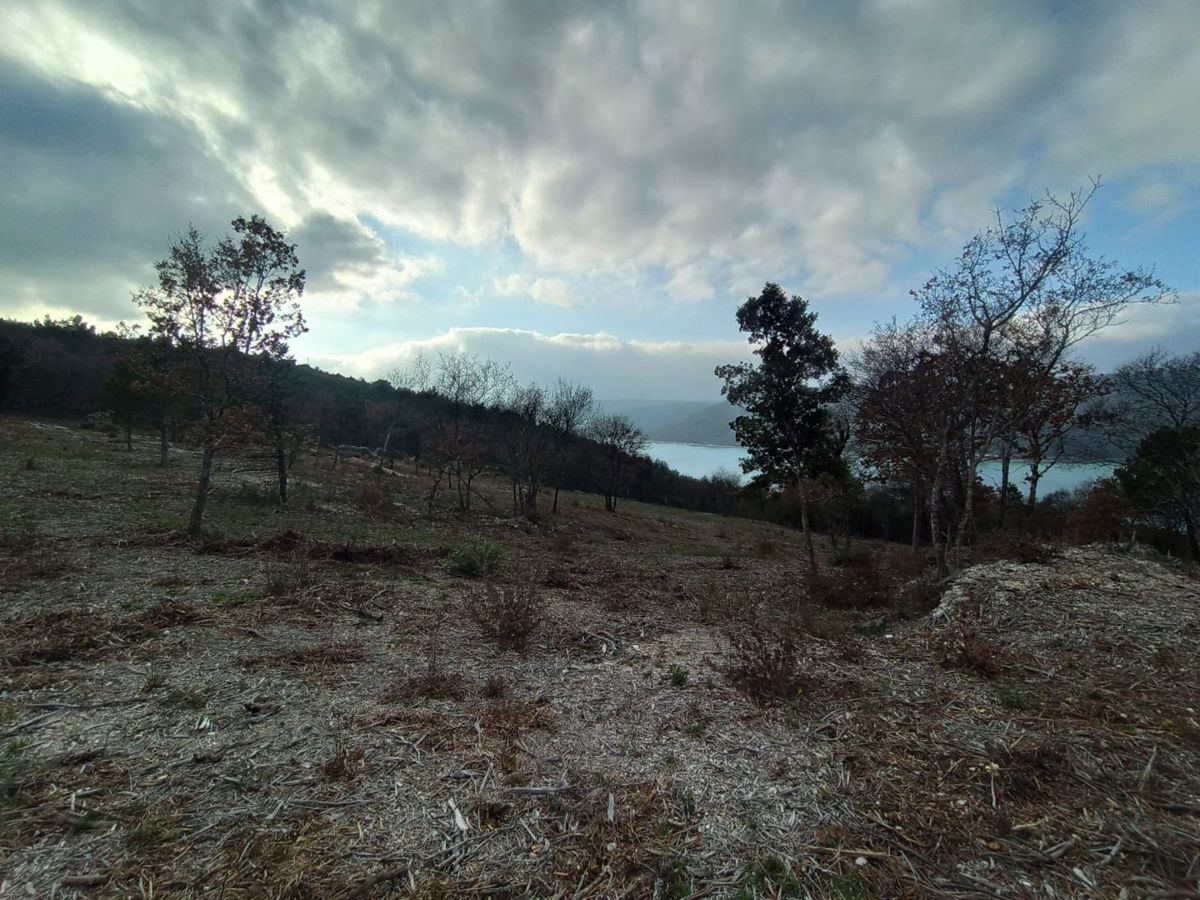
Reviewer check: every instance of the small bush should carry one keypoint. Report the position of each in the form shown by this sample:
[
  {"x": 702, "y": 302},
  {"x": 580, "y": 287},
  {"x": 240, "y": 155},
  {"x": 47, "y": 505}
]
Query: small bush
[
  {"x": 823, "y": 624},
  {"x": 857, "y": 587},
  {"x": 558, "y": 578},
  {"x": 14, "y": 764},
  {"x": 863, "y": 581},
  {"x": 964, "y": 649},
  {"x": 32, "y": 555},
  {"x": 768, "y": 547},
  {"x": 1101, "y": 516},
  {"x": 344, "y": 762},
  {"x": 285, "y": 577},
  {"x": 495, "y": 687},
  {"x": 1031, "y": 552},
  {"x": 851, "y": 555},
  {"x": 563, "y": 542},
  {"x": 477, "y": 556},
  {"x": 770, "y": 876},
  {"x": 1016, "y": 696},
  {"x": 374, "y": 497},
  {"x": 677, "y": 675},
  {"x": 508, "y": 615},
  {"x": 766, "y": 668},
  {"x": 256, "y": 493},
  {"x": 920, "y": 595}
]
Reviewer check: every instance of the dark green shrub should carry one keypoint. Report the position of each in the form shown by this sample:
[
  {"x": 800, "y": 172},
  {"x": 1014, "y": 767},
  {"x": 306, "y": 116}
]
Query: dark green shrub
[{"x": 477, "y": 556}]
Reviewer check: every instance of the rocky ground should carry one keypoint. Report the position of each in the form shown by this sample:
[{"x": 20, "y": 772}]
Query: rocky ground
[{"x": 319, "y": 702}]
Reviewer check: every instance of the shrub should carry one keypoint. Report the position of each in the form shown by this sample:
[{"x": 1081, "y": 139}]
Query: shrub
[
  {"x": 1031, "y": 552},
  {"x": 860, "y": 586},
  {"x": 477, "y": 556},
  {"x": 14, "y": 764},
  {"x": 863, "y": 580},
  {"x": 375, "y": 497},
  {"x": 963, "y": 649},
  {"x": 677, "y": 675},
  {"x": 1101, "y": 515},
  {"x": 850, "y": 555},
  {"x": 920, "y": 595},
  {"x": 256, "y": 493},
  {"x": 509, "y": 615},
  {"x": 766, "y": 668},
  {"x": 768, "y": 547},
  {"x": 558, "y": 578},
  {"x": 495, "y": 687},
  {"x": 286, "y": 577}
]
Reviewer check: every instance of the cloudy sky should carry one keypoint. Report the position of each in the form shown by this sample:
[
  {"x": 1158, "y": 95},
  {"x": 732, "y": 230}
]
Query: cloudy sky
[{"x": 589, "y": 188}]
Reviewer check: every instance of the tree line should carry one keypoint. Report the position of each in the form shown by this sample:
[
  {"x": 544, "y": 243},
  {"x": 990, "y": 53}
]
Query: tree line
[
  {"x": 213, "y": 369},
  {"x": 984, "y": 370}
]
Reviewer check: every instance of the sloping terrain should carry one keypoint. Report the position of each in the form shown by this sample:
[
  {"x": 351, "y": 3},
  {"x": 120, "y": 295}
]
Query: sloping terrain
[{"x": 314, "y": 703}]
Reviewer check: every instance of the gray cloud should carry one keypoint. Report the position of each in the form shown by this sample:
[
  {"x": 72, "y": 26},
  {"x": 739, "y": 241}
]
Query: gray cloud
[
  {"x": 92, "y": 192},
  {"x": 709, "y": 143},
  {"x": 673, "y": 370}
]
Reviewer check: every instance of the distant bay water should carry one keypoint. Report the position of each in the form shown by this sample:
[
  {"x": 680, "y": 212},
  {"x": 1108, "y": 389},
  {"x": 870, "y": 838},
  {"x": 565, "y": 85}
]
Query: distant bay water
[
  {"x": 700, "y": 460},
  {"x": 697, "y": 460}
]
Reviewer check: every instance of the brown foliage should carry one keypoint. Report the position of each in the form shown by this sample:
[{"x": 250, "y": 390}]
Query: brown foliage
[
  {"x": 963, "y": 649},
  {"x": 1100, "y": 516},
  {"x": 766, "y": 667},
  {"x": 510, "y": 615},
  {"x": 865, "y": 581}
]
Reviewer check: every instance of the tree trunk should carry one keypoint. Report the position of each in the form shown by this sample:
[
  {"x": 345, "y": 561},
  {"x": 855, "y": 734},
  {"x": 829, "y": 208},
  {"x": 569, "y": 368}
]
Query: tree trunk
[
  {"x": 916, "y": 520},
  {"x": 1034, "y": 477},
  {"x": 967, "y": 521},
  {"x": 128, "y": 435},
  {"x": 196, "y": 523},
  {"x": 1005, "y": 462},
  {"x": 1189, "y": 525},
  {"x": 804, "y": 524},
  {"x": 164, "y": 443},
  {"x": 281, "y": 467},
  {"x": 935, "y": 502},
  {"x": 554, "y": 508},
  {"x": 1035, "y": 474}
]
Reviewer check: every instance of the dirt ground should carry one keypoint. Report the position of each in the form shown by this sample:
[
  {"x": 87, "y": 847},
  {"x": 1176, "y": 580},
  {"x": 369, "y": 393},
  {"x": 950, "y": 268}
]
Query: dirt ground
[{"x": 312, "y": 702}]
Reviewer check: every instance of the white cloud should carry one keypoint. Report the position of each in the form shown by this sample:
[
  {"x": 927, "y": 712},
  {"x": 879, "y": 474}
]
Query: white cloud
[
  {"x": 612, "y": 367},
  {"x": 551, "y": 291}
]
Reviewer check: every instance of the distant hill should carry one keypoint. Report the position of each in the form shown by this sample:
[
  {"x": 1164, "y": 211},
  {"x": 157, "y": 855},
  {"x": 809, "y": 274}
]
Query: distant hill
[{"x": 679, "y": 421}]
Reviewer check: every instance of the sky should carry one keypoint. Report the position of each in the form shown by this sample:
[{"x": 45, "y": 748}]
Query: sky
[{"x": 590, "y": 189}]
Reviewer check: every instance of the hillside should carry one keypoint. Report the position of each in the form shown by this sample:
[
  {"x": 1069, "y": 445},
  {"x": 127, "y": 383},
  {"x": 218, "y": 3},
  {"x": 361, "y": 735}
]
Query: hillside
[
  {"x": 314, "y": 702},
  {"x": 680, "y": 421}
]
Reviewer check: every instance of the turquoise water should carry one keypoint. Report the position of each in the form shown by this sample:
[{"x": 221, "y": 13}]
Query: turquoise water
[
  {"x": 1063, "y": 477},
  {"x": 699, "y": 460}
]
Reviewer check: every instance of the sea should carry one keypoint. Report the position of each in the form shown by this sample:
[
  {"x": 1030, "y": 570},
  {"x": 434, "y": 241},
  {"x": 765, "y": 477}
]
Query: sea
[{"x": 700, "y": 460}]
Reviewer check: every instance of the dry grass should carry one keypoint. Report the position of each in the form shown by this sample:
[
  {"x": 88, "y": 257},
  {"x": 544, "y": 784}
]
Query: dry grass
[{"x": 357, "y": 735}]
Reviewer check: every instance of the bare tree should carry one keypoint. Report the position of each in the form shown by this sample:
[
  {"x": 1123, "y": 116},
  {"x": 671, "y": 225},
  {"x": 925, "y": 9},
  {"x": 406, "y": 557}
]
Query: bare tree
[
  {"x": 621, "y": 440},
  {"x": 528, "y": 440},
  {"x": 568, "y": 413},
  {"x": 1027, "y": 287},
  {"x": 900, "y": 421},
  {"x": 404, "y": 380},
  {"x": 1050, "y": 409},
  {"x": 463, "y": 430},
  {"x": 1153, "y": 391}
]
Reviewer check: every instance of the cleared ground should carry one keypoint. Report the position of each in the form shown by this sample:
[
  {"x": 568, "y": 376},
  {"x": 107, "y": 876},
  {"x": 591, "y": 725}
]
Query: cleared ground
[{"x": 304, "y": 704}]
